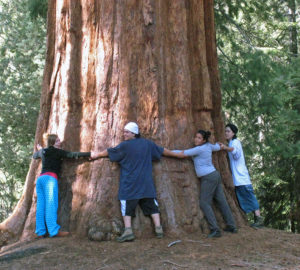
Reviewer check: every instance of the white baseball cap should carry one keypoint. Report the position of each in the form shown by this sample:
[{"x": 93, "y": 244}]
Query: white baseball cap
[{"x": 132, "y": 127}]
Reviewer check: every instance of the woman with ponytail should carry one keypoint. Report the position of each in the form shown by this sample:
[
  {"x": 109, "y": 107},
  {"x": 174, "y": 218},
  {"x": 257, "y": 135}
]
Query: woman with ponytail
[{"x": 211, "y": 182}]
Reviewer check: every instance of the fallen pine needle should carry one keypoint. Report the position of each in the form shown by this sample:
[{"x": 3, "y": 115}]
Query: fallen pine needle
[
  {"x": 238, "y": 265},
  {"x": 103, "y": 267},
  {"x": 174, "y": 243},
  {"x": 183, "y": 266},
  {"x": 197, "y": 241}
]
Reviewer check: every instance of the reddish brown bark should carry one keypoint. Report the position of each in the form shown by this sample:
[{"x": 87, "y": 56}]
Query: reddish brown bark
[{"x": 109, "y": 62}]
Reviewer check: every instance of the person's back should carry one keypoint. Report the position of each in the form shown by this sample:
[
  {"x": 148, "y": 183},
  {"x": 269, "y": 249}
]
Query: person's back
[
  {"x": 135, "y": 157},
  {"x": 238, "y": 167},
  {"x": 51, "y": 159}
]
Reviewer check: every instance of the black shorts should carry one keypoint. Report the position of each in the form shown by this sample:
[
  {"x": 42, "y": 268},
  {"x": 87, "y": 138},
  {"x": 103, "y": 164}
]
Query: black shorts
[{"x": 148, "y": 205}]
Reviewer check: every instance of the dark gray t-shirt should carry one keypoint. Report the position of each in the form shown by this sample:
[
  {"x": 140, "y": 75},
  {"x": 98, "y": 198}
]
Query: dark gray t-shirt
[{"x": 135, "y": 157}]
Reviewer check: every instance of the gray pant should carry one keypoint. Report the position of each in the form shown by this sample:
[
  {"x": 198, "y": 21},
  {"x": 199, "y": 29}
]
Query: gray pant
[{"x": 211, "y": 188}]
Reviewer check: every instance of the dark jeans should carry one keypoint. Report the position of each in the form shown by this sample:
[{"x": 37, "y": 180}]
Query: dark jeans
[{"x": 211, "y": 188}]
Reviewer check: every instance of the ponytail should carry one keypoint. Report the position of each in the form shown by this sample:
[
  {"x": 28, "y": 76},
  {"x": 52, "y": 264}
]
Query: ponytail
[{"x": 205, "y": 134}]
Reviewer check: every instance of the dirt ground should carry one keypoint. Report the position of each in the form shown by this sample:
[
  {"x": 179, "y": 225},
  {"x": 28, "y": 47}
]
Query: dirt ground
[{"x": 249, "y": 249}]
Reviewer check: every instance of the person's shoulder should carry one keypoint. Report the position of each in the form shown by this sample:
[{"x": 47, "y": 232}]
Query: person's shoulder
[
  {"x": 236, "y": 142},
  {"x": 45, "y": 150},
  {"x": 197, "y": 148},
  {"x": 120, "y": 146},
  {"x": 147, "y": 140},
  {"x": 56, "y": 152},
  {"x": 48, "y": 151},
  {"x": 52, "y": 148},
  {"x": 213, "y": 144},
  {"x": 150, "y": 142},
  {"x": 205, "y": 145},
  {"x": 132, "y": 142},
  {"x": 122, "y": 143},
  {"x": 142, "y": 140}
]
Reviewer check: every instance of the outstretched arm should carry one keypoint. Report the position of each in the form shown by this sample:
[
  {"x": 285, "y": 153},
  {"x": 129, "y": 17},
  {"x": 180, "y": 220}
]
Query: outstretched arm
[
  {"x": 38, "y": 147},
  {"x": 38, "y": 152},
  {"x": 236, "y": 150},
  {"x": 225, "y": 147},
  {"x": 102, "y": 154},
  {"x": 77, "y": 154},
  {"x": 170, "y": 153}
]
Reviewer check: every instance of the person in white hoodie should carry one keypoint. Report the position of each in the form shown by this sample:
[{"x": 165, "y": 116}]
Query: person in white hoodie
[{"x": 241, "y": 178}]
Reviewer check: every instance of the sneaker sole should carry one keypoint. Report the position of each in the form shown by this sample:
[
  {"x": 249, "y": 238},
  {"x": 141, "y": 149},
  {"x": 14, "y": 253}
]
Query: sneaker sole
[
  {"x": 215, "y": 236},
  {"x": 228, "y": 231},
  {"x": 126, "y": 239}
]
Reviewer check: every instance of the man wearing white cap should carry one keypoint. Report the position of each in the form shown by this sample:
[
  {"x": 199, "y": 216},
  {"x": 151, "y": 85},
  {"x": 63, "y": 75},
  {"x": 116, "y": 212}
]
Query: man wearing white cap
[{"x": 135, "y": 156}]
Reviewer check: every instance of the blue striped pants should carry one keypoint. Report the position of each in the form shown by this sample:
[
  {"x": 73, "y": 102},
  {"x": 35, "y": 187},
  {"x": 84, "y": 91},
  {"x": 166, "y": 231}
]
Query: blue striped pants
[{"x": 46, "y": 206}]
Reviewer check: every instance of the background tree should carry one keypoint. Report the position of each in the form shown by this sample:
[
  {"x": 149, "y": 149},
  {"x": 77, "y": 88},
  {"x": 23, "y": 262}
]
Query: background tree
[
  {"x": 259, "y": 67},
  {"x": 107, "y": 62},
  {"x": 22, "y": 48}
]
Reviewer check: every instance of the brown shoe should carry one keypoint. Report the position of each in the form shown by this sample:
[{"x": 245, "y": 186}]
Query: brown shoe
[{"x": 62, "y": 234}]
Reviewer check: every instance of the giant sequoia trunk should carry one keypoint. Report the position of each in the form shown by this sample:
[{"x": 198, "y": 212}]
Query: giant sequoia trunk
[{"x": 109, "y": 62}]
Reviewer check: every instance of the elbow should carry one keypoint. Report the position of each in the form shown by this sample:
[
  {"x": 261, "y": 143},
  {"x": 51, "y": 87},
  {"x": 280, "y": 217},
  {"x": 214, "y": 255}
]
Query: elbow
[{"x": 236, "y": 157}]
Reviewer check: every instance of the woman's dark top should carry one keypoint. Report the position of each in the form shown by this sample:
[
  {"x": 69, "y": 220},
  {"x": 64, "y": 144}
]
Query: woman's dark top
[{"x": 52, "y": 158}]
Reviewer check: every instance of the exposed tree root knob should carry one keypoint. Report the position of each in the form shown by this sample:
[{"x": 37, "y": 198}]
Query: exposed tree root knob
[
  {"x": 105, "y": 230},
  {"x": 5, "y": 236}
]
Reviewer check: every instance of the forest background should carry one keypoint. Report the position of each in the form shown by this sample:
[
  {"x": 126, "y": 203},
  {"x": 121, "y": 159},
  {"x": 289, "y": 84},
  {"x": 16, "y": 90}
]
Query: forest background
[{"x": 260, "y": 74}]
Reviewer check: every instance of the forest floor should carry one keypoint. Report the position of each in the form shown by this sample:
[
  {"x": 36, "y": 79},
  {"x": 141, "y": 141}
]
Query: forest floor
[{"x": 248, "y": 249}]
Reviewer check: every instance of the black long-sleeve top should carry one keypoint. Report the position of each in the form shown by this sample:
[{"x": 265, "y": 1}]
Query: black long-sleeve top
[{"x": 52, "y": 158}]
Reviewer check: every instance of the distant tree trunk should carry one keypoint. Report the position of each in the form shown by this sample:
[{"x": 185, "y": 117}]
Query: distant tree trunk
[
  {"x": 293, "y": 28},
  {"x": 109, "y": 62},
  {"x": 295, "y": 184}
]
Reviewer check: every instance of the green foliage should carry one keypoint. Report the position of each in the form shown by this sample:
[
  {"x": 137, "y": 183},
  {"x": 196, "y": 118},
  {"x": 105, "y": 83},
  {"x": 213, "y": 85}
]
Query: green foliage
[
  {"x": 260, "y": 85},
  {"x": 38, "y": 8},
  {"x": 22, "y": 49}
]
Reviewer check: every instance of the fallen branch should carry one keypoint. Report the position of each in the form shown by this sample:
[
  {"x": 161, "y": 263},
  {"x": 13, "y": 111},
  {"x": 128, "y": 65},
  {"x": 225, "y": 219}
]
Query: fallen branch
[{"x": 174, "y": 243}]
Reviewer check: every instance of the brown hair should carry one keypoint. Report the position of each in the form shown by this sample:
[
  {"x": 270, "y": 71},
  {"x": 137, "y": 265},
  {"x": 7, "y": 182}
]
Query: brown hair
[{"x": 50, "y": 139}]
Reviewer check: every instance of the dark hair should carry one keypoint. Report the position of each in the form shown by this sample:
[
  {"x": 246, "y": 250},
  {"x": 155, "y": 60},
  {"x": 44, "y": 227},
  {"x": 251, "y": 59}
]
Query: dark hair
[
  {"x": 137, "y": 135},
  {"x": 234, "y": 129},
  {"x": 205, "y": 134}
]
